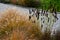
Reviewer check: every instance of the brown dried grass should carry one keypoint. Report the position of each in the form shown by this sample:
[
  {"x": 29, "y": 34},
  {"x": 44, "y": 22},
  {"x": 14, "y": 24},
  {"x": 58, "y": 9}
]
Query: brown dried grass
[{"x": 15, "y": 27}]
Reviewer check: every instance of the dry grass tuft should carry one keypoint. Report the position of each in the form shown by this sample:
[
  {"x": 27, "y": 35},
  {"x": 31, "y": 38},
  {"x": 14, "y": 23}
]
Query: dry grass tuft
[{"x": 15, "y": 27}]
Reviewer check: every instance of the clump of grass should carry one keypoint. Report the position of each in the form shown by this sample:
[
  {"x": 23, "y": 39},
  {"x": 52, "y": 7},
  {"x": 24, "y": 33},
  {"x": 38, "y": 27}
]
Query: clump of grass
[{"x": 15, "y": 27}]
